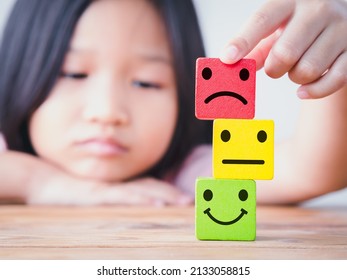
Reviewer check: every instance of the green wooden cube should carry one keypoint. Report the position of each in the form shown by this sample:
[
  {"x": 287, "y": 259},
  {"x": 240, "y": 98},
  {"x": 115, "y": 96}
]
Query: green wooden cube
[{"x": 225, "y": 209}]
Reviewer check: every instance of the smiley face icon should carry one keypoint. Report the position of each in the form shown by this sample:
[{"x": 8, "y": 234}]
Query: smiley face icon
[
  {"x": 225, "y": 91},
  {"x": 225, "y": 209},
  {"x": 243, "y": 149}
]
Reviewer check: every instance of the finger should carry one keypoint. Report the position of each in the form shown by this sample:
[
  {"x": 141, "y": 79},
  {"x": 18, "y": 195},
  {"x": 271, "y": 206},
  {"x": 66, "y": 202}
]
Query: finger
[
  {"x": 158, "y": 192},
  {"x": 119, "y": 196},
  {"x": 300, "y": 32},
  {"x": 261, "y": 51},
  {"x": 332, "y": 81},
  {"x": 320, "y": 56},
  {"x": 164, "y": 193},
  {"x": 58, "y": 192},
  {"x": 263, "y": 23}
]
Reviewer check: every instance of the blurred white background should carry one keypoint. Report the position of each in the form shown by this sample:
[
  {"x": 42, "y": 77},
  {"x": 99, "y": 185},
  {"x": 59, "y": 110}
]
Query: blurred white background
[
  {"x": 5, "y": 6},
  {"x": 220, "y": 20}
]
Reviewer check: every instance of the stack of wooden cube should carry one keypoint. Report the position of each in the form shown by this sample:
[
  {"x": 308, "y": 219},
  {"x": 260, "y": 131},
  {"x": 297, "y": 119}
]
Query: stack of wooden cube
[{"x": 242, "y": 148}]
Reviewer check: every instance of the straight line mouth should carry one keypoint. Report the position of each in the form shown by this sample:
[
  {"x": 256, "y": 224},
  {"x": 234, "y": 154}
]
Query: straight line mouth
[{"x": 243, "y": 161}]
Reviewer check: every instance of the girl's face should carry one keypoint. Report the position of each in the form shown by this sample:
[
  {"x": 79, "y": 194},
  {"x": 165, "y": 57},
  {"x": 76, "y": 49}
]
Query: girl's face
[{"x": 113, "y": 111}]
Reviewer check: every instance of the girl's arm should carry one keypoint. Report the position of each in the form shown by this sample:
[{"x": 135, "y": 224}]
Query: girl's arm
[
  {"x": 16, "y": 173},
  {"x": 314, "y": 160},
  {"x": 306, "y": 40},
  {"x": 30, "y": 180}
]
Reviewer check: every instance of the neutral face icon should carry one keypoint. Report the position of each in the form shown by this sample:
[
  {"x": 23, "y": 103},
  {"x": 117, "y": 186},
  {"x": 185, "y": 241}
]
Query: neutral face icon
[{"x": 243, "y": 149}]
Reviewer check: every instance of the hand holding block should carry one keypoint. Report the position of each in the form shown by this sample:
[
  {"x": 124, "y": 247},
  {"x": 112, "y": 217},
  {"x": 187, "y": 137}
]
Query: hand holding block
[
  {"x": 225, "y": 91},
  {"x": 225, "y": 209},
  {"x": 243, "y": 149}
]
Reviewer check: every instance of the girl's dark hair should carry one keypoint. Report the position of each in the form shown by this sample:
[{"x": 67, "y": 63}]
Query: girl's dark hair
[
  {"x": 35, "y": 41},
  {"x": 186, "y": 42}
]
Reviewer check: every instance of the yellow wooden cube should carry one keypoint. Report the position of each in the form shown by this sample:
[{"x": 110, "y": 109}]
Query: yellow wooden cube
[{"x": 243, "y": 149}]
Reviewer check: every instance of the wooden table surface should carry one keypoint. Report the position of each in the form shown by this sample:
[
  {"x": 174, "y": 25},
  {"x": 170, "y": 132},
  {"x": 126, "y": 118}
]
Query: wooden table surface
[{"x": 165, "y": 233}]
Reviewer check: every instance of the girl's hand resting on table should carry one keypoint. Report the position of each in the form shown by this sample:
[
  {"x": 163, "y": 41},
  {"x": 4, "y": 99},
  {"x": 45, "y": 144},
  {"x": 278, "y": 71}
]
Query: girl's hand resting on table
[
  {"x": 63, "y": 189},
  {"x": 304, "y": 38},
  {"x": 32, "y": 180}
]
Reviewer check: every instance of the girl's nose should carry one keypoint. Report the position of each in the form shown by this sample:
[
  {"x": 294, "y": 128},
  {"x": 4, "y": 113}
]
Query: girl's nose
[{"x": 107, "y": 105}]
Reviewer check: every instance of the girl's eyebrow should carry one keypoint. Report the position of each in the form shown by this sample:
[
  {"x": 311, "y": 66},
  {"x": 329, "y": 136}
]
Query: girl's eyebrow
[
  {"x": 155, "y": 57},
  {"x": 149, "y": 57}
]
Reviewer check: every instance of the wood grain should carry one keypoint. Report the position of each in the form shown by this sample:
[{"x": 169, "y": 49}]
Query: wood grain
[{"x": 165, "y": 233}]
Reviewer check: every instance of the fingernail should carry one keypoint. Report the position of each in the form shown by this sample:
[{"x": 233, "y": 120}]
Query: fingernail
[
  {"x": 302, "y": 94},
  {"x": 229, "y": 54}
]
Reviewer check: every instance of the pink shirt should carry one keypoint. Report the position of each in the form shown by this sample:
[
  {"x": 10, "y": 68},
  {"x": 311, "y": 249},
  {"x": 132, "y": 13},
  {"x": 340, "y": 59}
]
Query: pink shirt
[
  {"x": 197, "y": 164},
  {"x": 3, "y": 146}
]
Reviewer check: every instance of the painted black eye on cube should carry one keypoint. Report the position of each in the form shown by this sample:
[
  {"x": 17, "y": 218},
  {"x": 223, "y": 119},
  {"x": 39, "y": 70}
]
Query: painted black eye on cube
[
  {"x": 243, "y": 195},
  {"x": 262, "y": 136},
  {"x": 208, "y": 195},
  {"x": 244, "y": 74},
  {"x": 207, "y": 73},
  {"x": 225, "y": 135}
]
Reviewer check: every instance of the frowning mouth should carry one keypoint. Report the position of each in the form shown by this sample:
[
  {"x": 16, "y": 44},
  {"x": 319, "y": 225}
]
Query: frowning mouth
[
  {"x": 243, "y": 212},
  {"x": 226, "y": 93},
  {"x": 243, "y": 161}
]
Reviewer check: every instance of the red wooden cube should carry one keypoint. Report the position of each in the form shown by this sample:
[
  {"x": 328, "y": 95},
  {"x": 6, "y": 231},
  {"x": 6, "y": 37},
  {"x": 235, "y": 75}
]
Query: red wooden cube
[{"x": 225, "y": 91}]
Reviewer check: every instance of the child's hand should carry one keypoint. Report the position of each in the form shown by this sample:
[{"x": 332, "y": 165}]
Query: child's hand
[
  {"x": 62, "y": 189},
  {"x": 304, "y": 38}
]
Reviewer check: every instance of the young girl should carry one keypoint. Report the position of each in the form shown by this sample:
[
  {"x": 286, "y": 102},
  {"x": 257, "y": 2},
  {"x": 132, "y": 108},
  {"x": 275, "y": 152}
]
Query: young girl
[
  {"x": 102, "y": 93},
  {"x": 97, "y": 103}
]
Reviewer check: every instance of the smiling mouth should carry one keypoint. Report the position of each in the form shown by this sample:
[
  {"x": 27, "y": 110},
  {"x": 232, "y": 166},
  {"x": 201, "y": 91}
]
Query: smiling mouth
[
  {"x": 243, "y": 161},
  {"x": 243, "y": 212},
  {"x": 226, "y": 93}
]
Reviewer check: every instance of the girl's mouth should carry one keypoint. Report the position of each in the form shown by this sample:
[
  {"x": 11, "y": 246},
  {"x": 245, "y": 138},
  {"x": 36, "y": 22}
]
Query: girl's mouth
[{"x": 102, "y": 147}]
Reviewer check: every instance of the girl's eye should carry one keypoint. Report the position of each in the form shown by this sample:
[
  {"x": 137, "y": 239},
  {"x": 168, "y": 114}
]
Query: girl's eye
[
  {"x": 77, "y": 76},
  {"x": 146, "y": 85}
]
